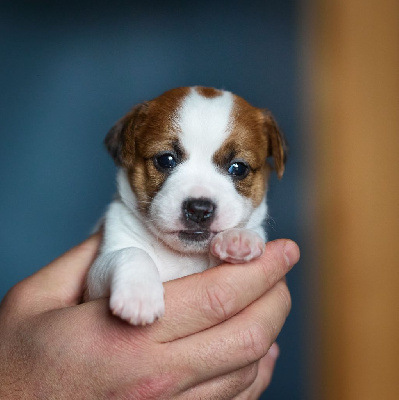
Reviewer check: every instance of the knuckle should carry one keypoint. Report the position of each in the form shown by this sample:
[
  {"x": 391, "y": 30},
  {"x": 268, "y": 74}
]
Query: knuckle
[
  {"x": 271, "y": 273},
  {"x": 246, "y": 376},
  {"x": 218, "y": 302},
  {"x": 254, "y": 342},
  {"x": 16, "y": 295},
  {"x": 14, "y": 302},
  {"x": 284, "y": 298},
  {"x": 236, "y": 383},
  {"x": 149, "y": 388}
]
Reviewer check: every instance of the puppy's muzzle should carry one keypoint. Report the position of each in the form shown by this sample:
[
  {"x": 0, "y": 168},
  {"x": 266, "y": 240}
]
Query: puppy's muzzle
[{"x": 199, "y": 211}]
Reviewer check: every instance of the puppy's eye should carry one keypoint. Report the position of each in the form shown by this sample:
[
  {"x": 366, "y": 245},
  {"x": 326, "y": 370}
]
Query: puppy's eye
[
  {"x": 238, "y": 169},
  {"x": 165, "y": 161}
]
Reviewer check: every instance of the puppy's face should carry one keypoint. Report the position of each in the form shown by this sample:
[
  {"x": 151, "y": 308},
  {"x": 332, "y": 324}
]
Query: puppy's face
[{"x": 196, "y": 162}]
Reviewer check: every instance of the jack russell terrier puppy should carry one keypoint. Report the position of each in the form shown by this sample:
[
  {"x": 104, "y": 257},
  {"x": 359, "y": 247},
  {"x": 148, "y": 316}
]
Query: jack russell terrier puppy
[{"x": 191, "y": 182}]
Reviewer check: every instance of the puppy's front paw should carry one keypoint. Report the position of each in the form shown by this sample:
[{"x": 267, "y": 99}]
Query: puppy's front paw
[
  {"x": 138, "y": 302},
  {"x": 237, "y": 245}
]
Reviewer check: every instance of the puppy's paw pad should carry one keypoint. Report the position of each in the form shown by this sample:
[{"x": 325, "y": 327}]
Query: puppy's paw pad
[
  {"x": 237, "y": 245},
  {"x": 138, "y": 304}
]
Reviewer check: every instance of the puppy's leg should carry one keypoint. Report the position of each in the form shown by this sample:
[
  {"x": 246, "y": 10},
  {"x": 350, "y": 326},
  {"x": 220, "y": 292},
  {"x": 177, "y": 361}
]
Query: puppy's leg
[
  {"x": 237, "y": 245},
  {"x": 132, "y": 280}
]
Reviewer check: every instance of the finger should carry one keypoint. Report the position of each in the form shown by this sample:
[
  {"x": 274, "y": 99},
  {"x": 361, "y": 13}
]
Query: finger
[
  {"x": 61, "y": 283},
  {"x": 235, "y": 343},
  {"x": 197, "y": 302},
  {"x": 224, "y": 387},
  {"x": 265, "y": 371}
]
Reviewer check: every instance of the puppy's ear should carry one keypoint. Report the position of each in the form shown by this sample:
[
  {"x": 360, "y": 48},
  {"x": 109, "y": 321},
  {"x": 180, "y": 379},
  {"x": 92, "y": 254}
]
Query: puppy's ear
[
  {"x": 277, "y": 147},
  {"x": 114, "y": 141},
  {"x": 120, "y": 140}
]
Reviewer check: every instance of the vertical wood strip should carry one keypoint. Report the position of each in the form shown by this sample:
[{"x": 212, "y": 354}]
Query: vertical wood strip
[{"x": 355, "y": 72}]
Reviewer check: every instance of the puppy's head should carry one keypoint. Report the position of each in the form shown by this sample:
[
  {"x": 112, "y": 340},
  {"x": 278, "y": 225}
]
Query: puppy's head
[{"x": 195, "y": 163}]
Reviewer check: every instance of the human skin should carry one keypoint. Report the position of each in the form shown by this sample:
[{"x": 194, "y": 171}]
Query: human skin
[{"x": 214, "y": 342}]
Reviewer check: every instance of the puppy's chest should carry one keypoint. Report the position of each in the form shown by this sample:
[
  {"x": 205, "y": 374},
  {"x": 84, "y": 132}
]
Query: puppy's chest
[{"x": 173, "y": 265}]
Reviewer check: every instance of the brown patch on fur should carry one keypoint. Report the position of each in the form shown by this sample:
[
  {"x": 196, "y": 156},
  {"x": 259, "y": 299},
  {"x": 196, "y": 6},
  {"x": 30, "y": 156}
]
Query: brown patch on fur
[
  {"x": 277, "y": 148},
  {"x": 145, "y": 131},
  {"x": 208, "y": 92},
  {"x": 254, "y": 138},
  {"x": 116, "y": 139}
]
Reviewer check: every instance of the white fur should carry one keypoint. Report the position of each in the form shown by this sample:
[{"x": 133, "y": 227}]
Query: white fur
[
  {"x": 204, "y": 123},
  {"x": 139, "y": 253}
]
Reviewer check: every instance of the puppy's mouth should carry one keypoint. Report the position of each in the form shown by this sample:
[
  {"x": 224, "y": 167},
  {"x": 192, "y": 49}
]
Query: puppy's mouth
[{"x": 194, "y": 236}]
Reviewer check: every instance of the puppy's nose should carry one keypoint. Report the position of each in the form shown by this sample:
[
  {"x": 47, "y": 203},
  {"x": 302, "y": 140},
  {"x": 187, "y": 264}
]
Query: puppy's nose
[{"x": 198, "y": 210}]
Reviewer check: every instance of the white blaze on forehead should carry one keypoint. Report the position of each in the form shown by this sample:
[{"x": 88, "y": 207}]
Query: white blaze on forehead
[{"x": 205, "y": 122}]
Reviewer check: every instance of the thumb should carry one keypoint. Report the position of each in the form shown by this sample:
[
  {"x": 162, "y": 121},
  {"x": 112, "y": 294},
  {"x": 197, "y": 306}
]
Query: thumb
[{"x": 61, "y": 283}]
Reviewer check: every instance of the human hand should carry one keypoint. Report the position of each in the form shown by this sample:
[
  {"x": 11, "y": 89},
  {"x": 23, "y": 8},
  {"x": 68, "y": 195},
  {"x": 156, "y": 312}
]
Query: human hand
[{"x": 212, "y": 343}]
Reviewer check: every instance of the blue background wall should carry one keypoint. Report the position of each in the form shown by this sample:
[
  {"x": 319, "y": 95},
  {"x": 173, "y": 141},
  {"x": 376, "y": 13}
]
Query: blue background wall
[{"x": 69, "y": 70}]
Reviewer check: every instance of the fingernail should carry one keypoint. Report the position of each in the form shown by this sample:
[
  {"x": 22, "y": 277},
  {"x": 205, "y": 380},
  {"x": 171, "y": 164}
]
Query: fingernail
[
  {"x": 291, "y": 253},
  {"x": 274, "y": 351}
]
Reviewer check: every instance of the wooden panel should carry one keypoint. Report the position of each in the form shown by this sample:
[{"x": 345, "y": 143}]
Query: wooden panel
[{"x": 355, "y": 98}]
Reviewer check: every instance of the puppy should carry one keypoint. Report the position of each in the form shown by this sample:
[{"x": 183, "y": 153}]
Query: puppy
[{"x": 191, "y": 181}]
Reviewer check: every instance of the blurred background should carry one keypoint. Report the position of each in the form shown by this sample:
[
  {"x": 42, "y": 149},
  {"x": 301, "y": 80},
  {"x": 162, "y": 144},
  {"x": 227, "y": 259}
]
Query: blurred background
[{"x": 328, "y": 70}]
